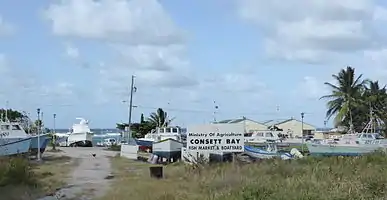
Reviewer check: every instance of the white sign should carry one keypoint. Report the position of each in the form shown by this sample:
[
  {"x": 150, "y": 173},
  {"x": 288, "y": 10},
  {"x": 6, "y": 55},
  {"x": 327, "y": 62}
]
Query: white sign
[{"x": 216, "y": 137}]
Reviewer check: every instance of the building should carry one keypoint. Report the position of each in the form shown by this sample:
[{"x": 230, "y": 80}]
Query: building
[
  {"x": 292, "y": 127},
  {"x": 249, "y": 124}
]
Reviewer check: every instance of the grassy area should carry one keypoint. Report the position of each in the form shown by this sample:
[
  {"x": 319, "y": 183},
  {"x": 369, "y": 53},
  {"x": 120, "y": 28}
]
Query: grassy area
[
  {"x": 115, "y": 147},
  {"x": 311, "y": 178},
  {"x": 20, "y": 179}
]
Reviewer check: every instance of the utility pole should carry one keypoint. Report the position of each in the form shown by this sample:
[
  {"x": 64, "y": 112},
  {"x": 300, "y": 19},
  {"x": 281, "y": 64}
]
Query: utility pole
[
  {"x": 132, "y": 89},
  {"x": 215, "y": 111},
  {"x": 6, "y": 111},
  {"x": 302, "y": 131},
  {"x": 38, "y": 129},
  {"x": 54, "y": 136}
]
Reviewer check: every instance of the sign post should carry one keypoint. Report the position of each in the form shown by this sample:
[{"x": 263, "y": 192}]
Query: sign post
[{"x": 216, "y": 138}]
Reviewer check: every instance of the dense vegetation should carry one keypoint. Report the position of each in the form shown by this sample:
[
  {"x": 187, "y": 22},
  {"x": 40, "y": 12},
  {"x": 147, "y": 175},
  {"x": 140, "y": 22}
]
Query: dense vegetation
[
  {"x": 329, "y": 178},
  {"x": 159, "y": 118},
  {"x": 353, "y": 98}
]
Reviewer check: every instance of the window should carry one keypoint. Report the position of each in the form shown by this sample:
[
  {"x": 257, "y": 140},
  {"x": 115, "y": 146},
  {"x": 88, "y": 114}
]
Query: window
[
  {"x": 167, "y": 130},
  {"x": 174, "y": 130},
  {"x": 4, "y": 127},
  {"x": 260, "y": 134},
  {"x": 16, "y": 127},
  {"x": 269, "y": 134},
  {"x": 161, "y": 130},
  {"x": 370, "y": 136}
]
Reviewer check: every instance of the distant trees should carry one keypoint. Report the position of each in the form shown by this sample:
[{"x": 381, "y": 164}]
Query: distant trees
[
  {"x": 352, "y": 99},
  {"x": 159, "y": 118}
]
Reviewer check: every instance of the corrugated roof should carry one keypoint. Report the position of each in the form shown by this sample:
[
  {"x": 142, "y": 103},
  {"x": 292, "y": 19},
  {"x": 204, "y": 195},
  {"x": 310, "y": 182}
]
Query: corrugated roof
[
  {"x": 230, "y": 121},
  {"x": 274, "y": 122}
]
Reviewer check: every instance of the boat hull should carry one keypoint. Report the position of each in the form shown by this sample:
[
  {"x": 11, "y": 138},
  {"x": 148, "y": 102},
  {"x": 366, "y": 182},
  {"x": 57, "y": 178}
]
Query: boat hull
[
  {"x": 168, "y": 148},
  {"x": 80, "y": 140},
  {"x": 44, "y": 140},
  {"x": 262, "y": 154},
  {"x": 144, "y": 143},
  {"x": 340, "y": 150},
  {"x": 13, "y": 146}
]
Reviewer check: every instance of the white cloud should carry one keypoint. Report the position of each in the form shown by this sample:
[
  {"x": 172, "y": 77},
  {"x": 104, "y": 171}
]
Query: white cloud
[
  {"x": 311, "y": 88},
  {"x": 312, "y": 31},
  {"x": 6, "y": 28},
  {"x": 25, "y": 89},
  {"x": 141, "y": 35},
  {"x": 132, "y": 22}
]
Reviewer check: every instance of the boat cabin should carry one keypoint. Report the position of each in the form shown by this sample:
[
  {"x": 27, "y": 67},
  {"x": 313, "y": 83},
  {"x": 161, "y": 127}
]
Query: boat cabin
[
  {"x": 262, "y": 136},
  {"x": 370, "y": 138},
  {"x": 9, "y": 129},
  {"x": 161, "y": 133}
]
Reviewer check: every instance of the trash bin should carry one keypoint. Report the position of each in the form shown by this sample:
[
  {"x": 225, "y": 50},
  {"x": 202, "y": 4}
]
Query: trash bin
[{"x": 156, "y": 172}]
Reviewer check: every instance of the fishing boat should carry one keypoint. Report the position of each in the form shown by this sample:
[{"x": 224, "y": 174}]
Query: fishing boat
[
  {"x": 353, "y": 144},
  {"x": 79, "y": 135},
  {"x": 39, "y": 142},
  {"x": 160, "y": 133},
  {"x": 271, "y": 152},
  {"x": 13, "y": 139},
  {"x": 168, "y": 148}
]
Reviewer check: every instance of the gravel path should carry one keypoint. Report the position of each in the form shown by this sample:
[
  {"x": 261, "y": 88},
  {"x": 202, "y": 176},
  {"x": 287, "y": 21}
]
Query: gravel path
[{"x": 89, "y": 179}]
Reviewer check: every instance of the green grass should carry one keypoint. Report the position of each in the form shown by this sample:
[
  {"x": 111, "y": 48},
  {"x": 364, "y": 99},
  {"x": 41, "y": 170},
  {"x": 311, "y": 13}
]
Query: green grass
[
  {"x": 115, "y": 147},
  {"x": 20, "y": 179},
  {"x": 332, "y": 178}
]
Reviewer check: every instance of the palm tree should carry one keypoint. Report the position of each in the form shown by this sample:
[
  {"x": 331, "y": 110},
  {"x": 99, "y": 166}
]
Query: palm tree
[
  {"x": 345, "y": 95},
  {"x": 159, "y": 118}
]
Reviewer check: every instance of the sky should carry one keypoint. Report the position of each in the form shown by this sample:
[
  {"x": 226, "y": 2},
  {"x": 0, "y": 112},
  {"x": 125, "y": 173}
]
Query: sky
[{"x": 254, "y": 58}]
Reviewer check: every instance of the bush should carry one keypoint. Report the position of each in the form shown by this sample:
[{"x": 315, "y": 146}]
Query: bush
[
  {"x": 16, "y": 171},
  {"x": 115, "y": 147}
]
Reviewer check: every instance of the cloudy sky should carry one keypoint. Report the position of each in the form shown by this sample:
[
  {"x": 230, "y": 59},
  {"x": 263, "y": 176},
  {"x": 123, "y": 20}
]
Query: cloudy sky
[{"x": 255, "y": 58}]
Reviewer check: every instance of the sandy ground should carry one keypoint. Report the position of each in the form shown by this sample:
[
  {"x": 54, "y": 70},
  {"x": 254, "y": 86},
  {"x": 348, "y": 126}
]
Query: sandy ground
[{"x": 88, "y": 180}]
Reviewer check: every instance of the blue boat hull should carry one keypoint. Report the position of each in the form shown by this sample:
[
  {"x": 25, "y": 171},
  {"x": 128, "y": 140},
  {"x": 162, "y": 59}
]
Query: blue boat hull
[
  {"x": 44, "y": 140},
  {"x": 262, "y": 154},
  {"x": 168, "y": 155},
  {"x": 13, "y": 146},
  {"x": 144, "y": 143}
]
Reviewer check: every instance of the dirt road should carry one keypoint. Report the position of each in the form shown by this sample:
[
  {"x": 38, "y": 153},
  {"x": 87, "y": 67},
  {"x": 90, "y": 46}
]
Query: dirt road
[{"x": 89, "y": 179}]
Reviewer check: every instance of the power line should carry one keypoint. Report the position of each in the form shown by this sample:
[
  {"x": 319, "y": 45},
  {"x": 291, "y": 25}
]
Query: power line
[{"x": 211, "y": 112}]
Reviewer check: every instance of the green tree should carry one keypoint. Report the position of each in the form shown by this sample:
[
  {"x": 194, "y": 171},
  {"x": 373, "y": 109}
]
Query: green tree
[{"x": 345, "y": 96}]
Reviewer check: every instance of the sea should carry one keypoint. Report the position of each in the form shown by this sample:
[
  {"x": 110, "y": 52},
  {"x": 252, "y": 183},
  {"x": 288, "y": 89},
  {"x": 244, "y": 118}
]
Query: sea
[{"x": 99, "y": 134}]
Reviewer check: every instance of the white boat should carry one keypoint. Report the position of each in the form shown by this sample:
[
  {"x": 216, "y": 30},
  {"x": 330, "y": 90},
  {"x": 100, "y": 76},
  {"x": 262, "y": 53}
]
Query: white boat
[
  {"x": 107, "y": 142},
  {"x": 168, "y": 148},
  {"x": 161, "y": 133},
  {"x": 355, "y": 144},
  {"x": 271, "y": 152},
  {"x": 79, "y": 135},
  {"x": 269, "y": 136},
  {"x": 13, "y": 139},
  {"x": 261, "y": 137}
]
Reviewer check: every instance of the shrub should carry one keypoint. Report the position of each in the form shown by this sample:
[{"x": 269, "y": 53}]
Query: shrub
[
  {"x": 115, "y": 147},
  {"x": 16, "y": 171}
]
